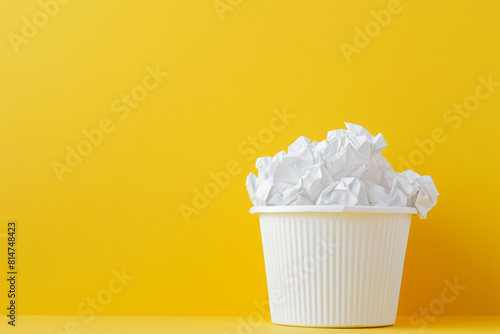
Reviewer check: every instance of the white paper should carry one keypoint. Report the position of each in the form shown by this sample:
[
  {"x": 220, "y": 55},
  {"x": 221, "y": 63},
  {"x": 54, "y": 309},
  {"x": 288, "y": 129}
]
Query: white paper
[{"x": 345, "y": 169}]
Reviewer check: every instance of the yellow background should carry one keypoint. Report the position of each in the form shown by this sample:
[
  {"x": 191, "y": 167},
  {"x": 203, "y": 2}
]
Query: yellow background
[{"x": 120, "y": 207}]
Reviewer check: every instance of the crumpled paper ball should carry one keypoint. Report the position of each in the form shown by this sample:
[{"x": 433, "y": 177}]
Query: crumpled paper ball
[{"x": 345, "y": 169}]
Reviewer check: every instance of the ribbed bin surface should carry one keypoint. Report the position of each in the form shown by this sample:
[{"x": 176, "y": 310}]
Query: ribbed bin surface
[{"x": 334, "y": 269}]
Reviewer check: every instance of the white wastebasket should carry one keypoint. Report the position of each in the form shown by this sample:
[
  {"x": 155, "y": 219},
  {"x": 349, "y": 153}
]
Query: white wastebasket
[{"x": 334, "y": 266}]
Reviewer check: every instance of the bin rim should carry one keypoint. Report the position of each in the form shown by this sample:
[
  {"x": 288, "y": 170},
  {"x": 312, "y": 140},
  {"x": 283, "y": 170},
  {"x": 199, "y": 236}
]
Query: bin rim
[{"x": 332, "y": 209}]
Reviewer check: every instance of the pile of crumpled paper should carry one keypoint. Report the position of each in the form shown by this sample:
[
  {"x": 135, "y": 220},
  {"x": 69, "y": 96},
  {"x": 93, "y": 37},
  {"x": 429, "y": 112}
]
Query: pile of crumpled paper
[{"x": 345, "y": 169}]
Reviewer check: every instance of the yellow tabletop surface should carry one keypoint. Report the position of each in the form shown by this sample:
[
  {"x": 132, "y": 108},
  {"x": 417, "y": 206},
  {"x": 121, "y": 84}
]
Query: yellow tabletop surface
[{"x": 237, "y": 325}]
